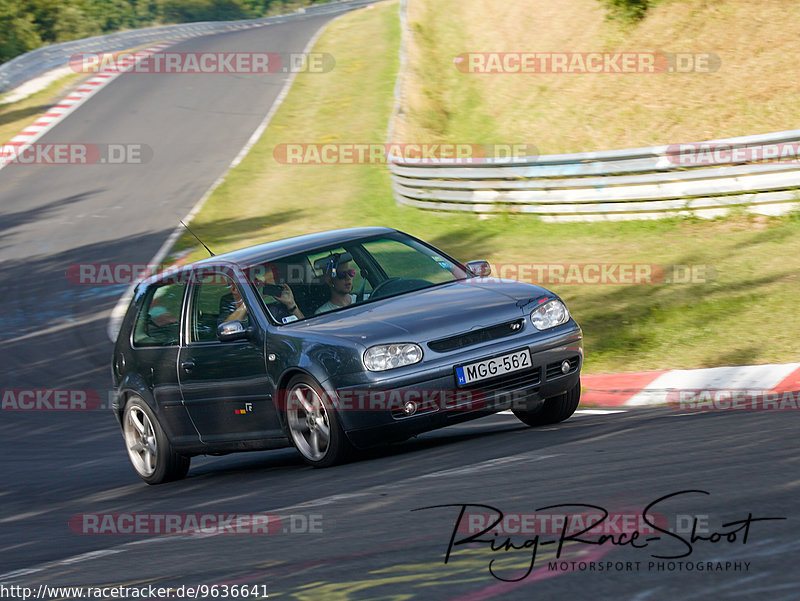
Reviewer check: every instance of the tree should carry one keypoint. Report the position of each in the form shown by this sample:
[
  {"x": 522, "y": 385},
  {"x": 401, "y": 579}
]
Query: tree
[
  {"x": 72, "y": 23},
  {"x": 186, "y": 11},
  {"x": 17, "y": 31},
  {"x": 112, "y": 15}
]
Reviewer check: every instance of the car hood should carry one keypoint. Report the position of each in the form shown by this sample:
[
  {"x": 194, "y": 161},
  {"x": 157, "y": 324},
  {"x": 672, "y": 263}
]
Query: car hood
[{"x": 430, "y": 314}]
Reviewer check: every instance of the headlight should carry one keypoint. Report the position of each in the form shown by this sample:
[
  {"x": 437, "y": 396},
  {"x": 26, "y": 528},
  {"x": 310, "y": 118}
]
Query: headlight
[
  {"x": 549, "y": 315},
  {"x": 389, "y": 356}
]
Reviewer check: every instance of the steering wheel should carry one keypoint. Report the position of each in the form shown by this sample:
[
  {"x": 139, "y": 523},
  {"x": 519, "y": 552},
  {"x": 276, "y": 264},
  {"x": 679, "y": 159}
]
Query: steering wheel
[{"x": 382, "y": 285}]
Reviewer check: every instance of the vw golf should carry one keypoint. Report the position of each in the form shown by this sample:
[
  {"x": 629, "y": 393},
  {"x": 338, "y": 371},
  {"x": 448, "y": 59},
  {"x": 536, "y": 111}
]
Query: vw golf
[{"x": 332, "y": 342}]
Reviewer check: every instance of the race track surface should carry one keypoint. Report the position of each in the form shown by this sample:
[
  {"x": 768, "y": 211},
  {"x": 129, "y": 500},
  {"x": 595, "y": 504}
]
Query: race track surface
[
  {"x": 349, "y": 532},
  {"x": 366, "y": 542}
]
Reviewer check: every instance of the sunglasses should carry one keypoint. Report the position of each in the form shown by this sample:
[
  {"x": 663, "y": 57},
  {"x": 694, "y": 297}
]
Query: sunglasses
[{"x": 343, "y": 273}]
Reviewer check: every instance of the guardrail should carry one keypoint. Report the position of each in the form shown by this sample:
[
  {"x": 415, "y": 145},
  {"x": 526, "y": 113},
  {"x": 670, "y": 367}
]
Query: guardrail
[
  {"x": 759, "y": 174},
  {"x": 36, "y": 62}
]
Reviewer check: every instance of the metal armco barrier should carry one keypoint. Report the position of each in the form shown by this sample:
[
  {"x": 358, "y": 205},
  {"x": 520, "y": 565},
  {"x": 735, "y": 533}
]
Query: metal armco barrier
[
  {"x": 759, "y": 174},
  {"x": 36, "y": 62}
]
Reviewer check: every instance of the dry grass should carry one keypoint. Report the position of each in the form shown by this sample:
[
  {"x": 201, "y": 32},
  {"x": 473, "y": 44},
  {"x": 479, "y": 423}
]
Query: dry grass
[{"x": 752, "y": 92}]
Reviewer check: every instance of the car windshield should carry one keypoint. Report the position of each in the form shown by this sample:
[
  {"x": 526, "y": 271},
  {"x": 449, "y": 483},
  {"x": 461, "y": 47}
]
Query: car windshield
[{"x": 350, "y": 274}]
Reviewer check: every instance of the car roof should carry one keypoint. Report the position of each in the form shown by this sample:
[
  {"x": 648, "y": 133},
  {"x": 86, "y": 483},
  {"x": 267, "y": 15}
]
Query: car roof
[{"x": 277, "y": 249}]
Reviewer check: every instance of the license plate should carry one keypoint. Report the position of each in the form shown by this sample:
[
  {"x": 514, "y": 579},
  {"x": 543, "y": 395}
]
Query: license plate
[{"x": 491, "y": 368}]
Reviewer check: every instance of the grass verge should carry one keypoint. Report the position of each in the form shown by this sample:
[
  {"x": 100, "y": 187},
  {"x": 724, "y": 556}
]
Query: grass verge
[
  {"x": 751, "y": 92},
  {"x": 742, "y": 312},
  {"x": 16, "y": 116}
]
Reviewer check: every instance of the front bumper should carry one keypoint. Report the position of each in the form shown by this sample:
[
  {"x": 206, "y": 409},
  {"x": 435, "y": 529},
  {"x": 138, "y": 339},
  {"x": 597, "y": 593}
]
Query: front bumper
[{"x": 371, "y": 411}]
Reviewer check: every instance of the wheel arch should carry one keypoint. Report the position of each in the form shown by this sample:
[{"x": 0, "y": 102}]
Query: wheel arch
[
  {"x": 280, "y": 390},
  {"x": 134, "y": 385}
]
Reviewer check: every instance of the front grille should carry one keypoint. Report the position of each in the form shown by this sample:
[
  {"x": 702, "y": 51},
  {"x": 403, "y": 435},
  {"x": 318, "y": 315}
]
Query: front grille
[
  {"x": 487, "y": 394},
  {"x": 491, "y": 393},
  {"x": 554, "y": 369},
  {"x": 506, "y": 382},
  {"x": 444, "y": 345}
]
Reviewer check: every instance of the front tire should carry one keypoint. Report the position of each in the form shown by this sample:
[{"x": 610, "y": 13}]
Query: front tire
[
  {"x": 313, "y": 424},
  {"x": 553, "y": 410},
  {"x": 149, "y": 449}
]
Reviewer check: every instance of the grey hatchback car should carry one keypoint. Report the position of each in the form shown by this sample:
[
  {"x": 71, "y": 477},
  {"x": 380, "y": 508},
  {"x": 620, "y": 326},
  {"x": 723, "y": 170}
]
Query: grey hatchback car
[{"x": 332, "y": 342}]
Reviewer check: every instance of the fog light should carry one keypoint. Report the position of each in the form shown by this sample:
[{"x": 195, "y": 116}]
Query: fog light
[
  {"x": 565, "y": 367},
  {"x": 410, "y": 408}
]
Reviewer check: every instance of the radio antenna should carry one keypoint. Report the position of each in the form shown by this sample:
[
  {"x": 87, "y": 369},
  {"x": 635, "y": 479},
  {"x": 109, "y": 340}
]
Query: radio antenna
[{"x": 198, "y": 239}]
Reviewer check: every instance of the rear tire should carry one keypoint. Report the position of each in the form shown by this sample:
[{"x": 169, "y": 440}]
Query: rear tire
[
  {"x": 149, "y": 449},
  {"x": 553, "y": 410},
  {"x": 313, "y": 424}
]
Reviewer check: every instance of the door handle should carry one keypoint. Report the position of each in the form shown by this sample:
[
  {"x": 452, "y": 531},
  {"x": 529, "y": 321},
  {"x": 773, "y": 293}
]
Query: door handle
[{"x": 187, "y": 365}]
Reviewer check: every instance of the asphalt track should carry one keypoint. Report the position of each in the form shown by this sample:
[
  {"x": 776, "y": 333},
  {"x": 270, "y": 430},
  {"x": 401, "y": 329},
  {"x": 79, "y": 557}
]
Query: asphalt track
[
  {"x": 368, "y": 542},
  {"x": 53, "y": 217}
]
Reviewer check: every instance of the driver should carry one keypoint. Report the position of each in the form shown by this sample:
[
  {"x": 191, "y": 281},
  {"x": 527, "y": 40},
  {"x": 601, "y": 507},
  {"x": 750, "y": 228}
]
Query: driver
[{"x": 339, "y": 278}]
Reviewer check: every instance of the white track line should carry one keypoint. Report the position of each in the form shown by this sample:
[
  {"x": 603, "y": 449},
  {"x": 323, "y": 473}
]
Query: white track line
[
  {"x": 118, "y": 312},
  {"x": 489, "y": 464}
]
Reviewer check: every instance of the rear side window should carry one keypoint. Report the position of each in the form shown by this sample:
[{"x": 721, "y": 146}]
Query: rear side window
[
  {"x": 216, "y": 300},
  {"x": 159, "y": 321}
]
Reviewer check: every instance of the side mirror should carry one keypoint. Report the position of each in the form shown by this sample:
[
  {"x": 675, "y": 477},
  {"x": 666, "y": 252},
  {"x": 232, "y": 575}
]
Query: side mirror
[
  {"x": 231, "y": 330},
  {"x": 479, "y": 269}
]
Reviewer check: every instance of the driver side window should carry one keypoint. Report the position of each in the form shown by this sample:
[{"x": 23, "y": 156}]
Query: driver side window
[{"x": 401, "y": 261}]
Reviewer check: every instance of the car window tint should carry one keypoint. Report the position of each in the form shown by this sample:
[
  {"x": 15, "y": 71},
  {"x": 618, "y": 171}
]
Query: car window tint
[
  {"x": 159, "y": 322},
  {"x": 399, "y": 260},
  {"x": 213, "y": 304}
]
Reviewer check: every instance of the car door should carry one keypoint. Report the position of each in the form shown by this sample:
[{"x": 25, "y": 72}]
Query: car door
[
  {"x": 225, "y": 386},
  {"x": 156, "y": 339}
]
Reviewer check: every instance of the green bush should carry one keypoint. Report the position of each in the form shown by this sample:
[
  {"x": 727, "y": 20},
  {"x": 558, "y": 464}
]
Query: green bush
[{"x": 627, "y": 10}]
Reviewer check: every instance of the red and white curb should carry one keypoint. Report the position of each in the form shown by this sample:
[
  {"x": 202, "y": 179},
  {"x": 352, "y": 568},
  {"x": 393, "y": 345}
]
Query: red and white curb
[
  {"x": 65, "y": 106},
  {"x": 639, "y": 389}
]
